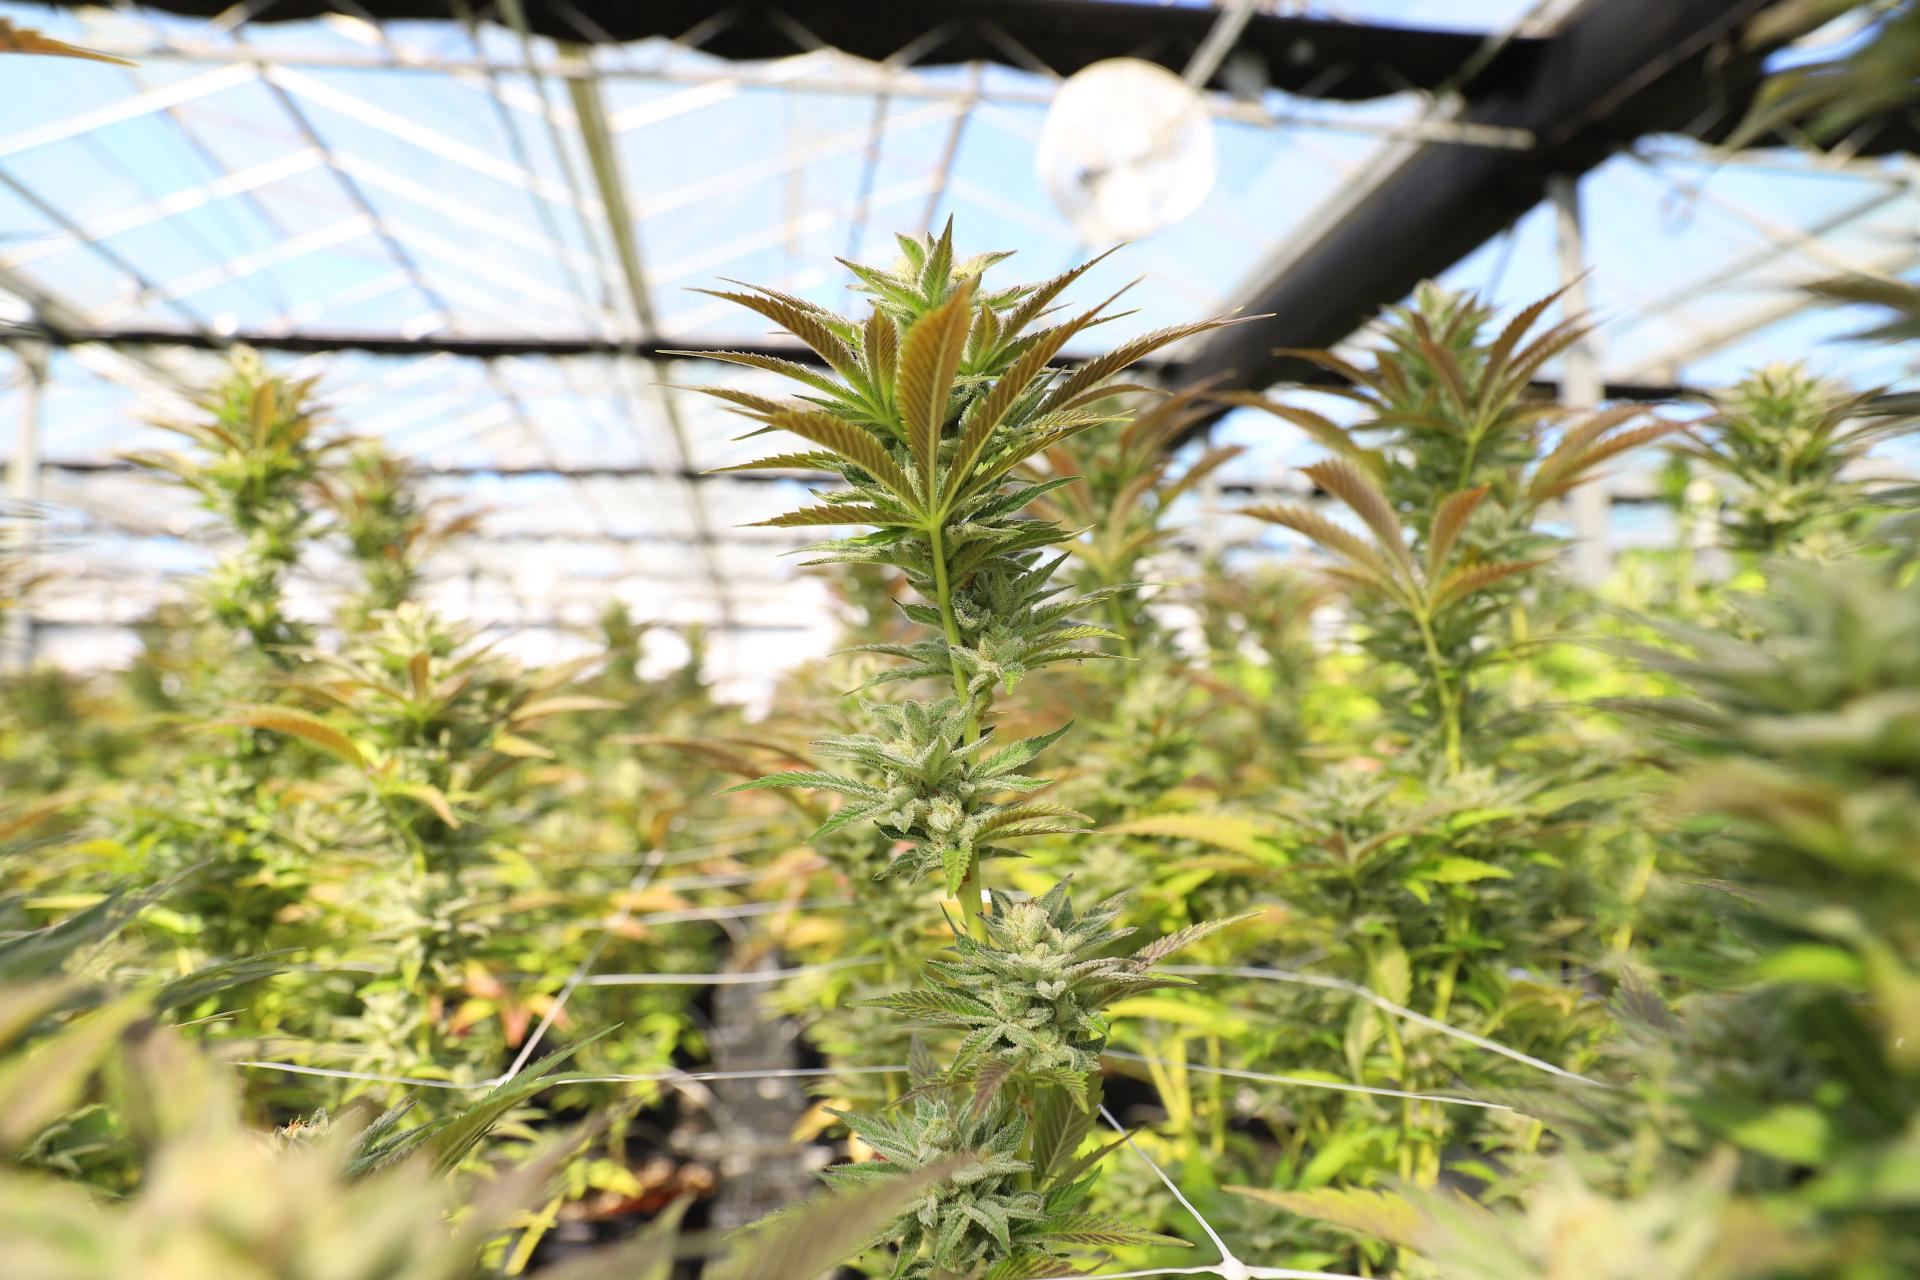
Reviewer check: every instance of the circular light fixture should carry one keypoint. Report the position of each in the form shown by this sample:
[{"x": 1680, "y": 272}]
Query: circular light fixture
[{"x": 1127, "y": 149}]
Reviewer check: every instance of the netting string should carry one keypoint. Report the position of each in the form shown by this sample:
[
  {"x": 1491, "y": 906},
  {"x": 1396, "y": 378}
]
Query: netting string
[
  {"x": 1218, "y": 1243},
  {"x": 1228, "y": 1267},
  {"x": 1380, "y": 1002},
  {"x": 649, "y": 1077},
  {"x": 657, "y": 1077},
  {"x": 738, "y": 978},
  {"x": 641, "y": 878},
  {"x": 742, "y": 912},
  {"x": 1336, "y": 1086}
]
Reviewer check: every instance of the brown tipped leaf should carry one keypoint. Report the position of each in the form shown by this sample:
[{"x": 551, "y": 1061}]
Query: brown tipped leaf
[
  {"x": 805, "y": 323},
  {"x": 1096, "y": 371},
  {"x": 929, "y": 360},
  {"x": 1448, "y": 520},
  {"x": 1373, "y": 567},
  {"x": 1463, "y": 583},
  {"x": 849, "y": 442},
  {"x": 1577, "y": 469},
  {"x": 1345, "y": 481}
]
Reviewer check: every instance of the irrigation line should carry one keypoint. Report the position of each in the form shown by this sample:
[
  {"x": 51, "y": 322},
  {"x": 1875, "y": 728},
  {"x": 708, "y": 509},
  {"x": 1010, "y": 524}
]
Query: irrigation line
[
  {"x": 649, "y": 1077},
  {"x": 730, "y": 879},
  {"x": 1379, "y": 1002},
  {"x": 370, "y": 1076},
  {"x": 620, "y": 917},
  {"x": 741, "y": 978},
  {"x": 1226, "y": 1254},
  {"x": 692, "y": 914},
  {"x": 1226, "y": 1269},
  {"x": 1264, "y": 1077}
]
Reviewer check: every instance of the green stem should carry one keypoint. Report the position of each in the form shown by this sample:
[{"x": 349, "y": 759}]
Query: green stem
[
  {"x": 973, "y": 886},
  {"x": 1218, "y": 1102},
  {"x": 1473, "y": 446},
  {"x": 943, "y": 596},
  {"x": 1443, "y": 997},
  {"x": 1122, "y": 628},
  {"x": 1443, "y": 689}
]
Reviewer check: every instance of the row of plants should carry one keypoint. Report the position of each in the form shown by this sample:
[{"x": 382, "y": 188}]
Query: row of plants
[
  {"x": 1402, "y": 906},
  {"x": 1463, "y": 851},
  {"x": 401, "y": 845}
]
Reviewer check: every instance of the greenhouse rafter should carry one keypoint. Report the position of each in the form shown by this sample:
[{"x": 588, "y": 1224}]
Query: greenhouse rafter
[
  {"x": 1313, "y": 57},
  {"x": 447, "y": 216},
  {"x": 1615, "y": 71}
]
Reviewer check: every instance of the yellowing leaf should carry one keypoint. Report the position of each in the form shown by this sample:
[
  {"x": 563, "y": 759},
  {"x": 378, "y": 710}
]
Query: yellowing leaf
[
  {"x": 430, "y": 796},
  {"x": 1454, "y": 869},
  {"x": 302, "y": 725},
  {"x": 849, "y": 442},
  {"x": 1353, "y": 487},
  {"x": 929, "y": 359},
  {"x": 541, "y": 708},
  {"x": 1210, "y": 1019},
  {"x": 1392, "y": 973},
  {"x": 643, "y": 900},
  {"x": 1794, "y": 1132},
  {"x": 509, "y": 744},
  {"x": 1379, "y": 1214},
  {"x": 26, "y": 40},
  {"x": 1221, "y": 830}
]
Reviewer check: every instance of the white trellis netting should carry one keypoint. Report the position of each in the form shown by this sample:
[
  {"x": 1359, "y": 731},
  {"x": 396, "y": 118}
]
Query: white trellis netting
[{"x": 1227, "y": 1267}]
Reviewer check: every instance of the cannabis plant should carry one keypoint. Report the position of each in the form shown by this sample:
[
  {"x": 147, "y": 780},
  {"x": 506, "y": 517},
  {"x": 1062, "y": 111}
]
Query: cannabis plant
[
  {"x": 17, "y": 575},
  {"x": 928, "y": 407},
  {"x": 124, "y": 1151},
  {"x": 1787, "y": 448},
  {"x": 1141, "y": 716},
  {"x": 1838, "y": 101},
  {"x": 256, "y": 451},
  {"x": 1264, "y": 670},
  {"x": 1129, "y": 486},
  {"x": 428, "y": 723},
  {"x": 390, "y": 529},
  {"x": 256, "y": 447},
  {"x": 1763, "y": 1120},
  {"x": 1458, "y": 860},
  {"x": 1805, "y": 755},
  {"x": 1447, "y": 471}
]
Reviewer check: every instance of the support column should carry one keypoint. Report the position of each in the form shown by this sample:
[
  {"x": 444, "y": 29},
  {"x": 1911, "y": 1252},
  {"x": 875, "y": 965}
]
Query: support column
[
  {"x": 1590, "y": 505},
  {"x": 23, "y": 499}
]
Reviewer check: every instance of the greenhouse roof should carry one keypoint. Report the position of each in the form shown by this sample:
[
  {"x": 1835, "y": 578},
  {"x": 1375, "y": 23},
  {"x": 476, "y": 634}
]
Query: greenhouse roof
[{"x": 484, "y": 226}]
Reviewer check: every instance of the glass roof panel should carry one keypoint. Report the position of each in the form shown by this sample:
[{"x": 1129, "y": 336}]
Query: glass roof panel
[{"x": 424, "y": 178}]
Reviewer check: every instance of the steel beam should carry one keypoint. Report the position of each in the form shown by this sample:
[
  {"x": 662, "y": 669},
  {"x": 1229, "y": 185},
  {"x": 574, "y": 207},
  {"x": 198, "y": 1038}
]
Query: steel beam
[
  {"x": 1318, "y": 57},
  {"x": 1592, "y": 555},
  {"x": 1616, "y": 70},
  {"x": 317, "y": 341},
  {"x": 23, "y": 489}
]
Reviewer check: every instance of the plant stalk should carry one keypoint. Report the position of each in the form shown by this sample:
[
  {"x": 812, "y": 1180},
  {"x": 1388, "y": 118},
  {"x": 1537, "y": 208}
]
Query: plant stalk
[
  {"x": 973, "y": 886},
  {"x": 1443, "y": 689}
]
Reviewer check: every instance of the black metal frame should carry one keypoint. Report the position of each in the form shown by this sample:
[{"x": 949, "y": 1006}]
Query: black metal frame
[
  {"x": 1619, "y": 69},
  {"x": 1317, "y": 57}
]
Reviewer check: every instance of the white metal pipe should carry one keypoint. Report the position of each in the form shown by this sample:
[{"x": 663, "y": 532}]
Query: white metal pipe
[
  {"x": 23, "y": 488},
  {"x": 1581, "y": 386}
]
